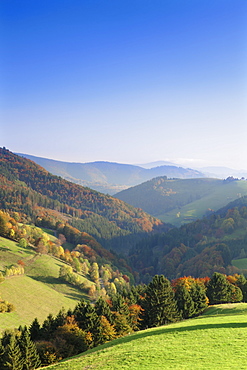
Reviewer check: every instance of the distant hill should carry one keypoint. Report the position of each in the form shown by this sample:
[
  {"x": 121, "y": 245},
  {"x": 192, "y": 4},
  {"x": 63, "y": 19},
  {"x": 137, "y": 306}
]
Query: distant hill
[
  {"x": 109, "y": 177},
  {"x": 29, "y": 188},
  {"x": 223, "y": 172},
  {"x": 183, "y": 200}
]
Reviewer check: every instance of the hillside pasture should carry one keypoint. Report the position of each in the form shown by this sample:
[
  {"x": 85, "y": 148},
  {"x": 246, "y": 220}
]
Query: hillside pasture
[
  {"x": 217, "y": 198},
  {"x": 216, "y": 340},
  {"x": 37, "y": 293},
  {"x": 31, "y": 299}
]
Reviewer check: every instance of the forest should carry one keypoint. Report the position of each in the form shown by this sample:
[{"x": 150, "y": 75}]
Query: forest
[{"x": 28, "y": 188}]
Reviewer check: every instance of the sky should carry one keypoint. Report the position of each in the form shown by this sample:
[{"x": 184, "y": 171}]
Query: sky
[{"x": 128, "y": 81}]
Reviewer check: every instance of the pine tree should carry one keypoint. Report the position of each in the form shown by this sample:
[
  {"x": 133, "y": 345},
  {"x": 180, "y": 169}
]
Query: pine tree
[
  {"x": 29, "y": 351},
  {"x": 47, "y": 327},
  {"x": 102, "y": 309},
  {"x": 242, "y": 284},
  {"x": 184, "y": 301},
  {"x": 35, "y": 330},
  {"x": 218, "y": 289},
  {"x": 88, "y": 320},
  {"x": 119, "y": 305},
  {"x": 2, "y": 351},
  {"x": 200, "y": 299},
  {"x": 12, "y": 358},
  {"x": 160, "y": 306},
  {"x": 60, "y": 319}
]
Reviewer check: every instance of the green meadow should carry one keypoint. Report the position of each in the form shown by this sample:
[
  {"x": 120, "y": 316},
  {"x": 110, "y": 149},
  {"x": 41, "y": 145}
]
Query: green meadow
[
  {"x": 38, "y": 292},
  {"x": 215, "y": 340},
  {"x": 216, "y": 199}
]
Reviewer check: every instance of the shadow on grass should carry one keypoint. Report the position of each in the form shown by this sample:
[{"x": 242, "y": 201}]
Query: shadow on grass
[
  {"x": 165, "y": 330},
  {"x": 5, "y": 249},
  {"x": 51, "y": 280},
  {"x": 46, "y": 279},
  {"x": 76, "y": 296}
]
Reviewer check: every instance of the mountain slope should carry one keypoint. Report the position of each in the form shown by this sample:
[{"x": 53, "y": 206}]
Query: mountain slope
[
  {"x": 27, "y": 187},
  {"x": 109, "y": 177},
  {"x": 182, "y": 200}
]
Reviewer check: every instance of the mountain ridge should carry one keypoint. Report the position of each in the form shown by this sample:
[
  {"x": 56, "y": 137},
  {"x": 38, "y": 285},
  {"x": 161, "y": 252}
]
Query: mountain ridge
[{"x": 109, "y": 177}]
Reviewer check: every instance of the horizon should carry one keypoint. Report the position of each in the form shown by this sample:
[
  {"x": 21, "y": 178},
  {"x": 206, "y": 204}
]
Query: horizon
[
  {"x": 185, "y": 163},
  {"x": 129, "y": 82}
]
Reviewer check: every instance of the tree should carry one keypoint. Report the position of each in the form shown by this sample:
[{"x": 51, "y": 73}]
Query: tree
[
  {"x": 47, "y": 327},
  {"x": 184, "y": 301},
  {"x": 22, "y": 243},
  {"x": 94, "y": 272},
  {"x": 34, "y": 329},
  {"x": 102, "y": 309},
  {"x": 108, "y": 331},
  {"x": 88, "y": 320},
  {"x": 29, "y": 351},
  {"x": 242, "y": 284},
  {"x": 200, "y": 299},
  {"x": 12, "y": 358},
  {"x": 218, "y": 289},
  {"x": 160, "y": 306}
]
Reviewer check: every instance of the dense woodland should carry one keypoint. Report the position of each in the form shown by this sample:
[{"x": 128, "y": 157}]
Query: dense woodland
[
  {"x": 198, "y": 249},
  {"x": 28, "y": 188}
]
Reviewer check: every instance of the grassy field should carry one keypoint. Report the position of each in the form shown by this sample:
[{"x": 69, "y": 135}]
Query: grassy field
[
  {"x": 240, "y": 263},
  {"x": 215, "y": 200},
  {"x": 38, "y": 292},
  {"x": 216, "y": 340}
]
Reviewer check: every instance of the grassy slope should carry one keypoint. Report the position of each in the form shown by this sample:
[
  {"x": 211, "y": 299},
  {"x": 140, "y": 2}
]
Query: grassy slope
[
  {"x": 216, "y": 340},
  {"x": 216, "y": 200},
  {"x": 240, "y": 263},
  {"x": 38, "y": 292}
]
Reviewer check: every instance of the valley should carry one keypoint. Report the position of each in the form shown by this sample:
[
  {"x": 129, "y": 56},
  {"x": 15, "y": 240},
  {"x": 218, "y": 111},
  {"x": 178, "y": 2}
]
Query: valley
[{"x": 83, "y": 269}]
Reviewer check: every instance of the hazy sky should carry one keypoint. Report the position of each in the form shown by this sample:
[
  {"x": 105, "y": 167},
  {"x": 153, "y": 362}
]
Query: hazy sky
[{"x": 125, "y": 81}]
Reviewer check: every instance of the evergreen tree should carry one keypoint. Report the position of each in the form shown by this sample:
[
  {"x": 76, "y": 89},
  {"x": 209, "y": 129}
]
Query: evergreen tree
[
  {"x": 242, "y": 284},
  {"x": 47, "y": 327},
  {"x": 12, "y": 358},
  {"x": 121, "y": 324},
  {"x": 102, "y": 309},
  {"x": 184, "y": 301},
  {"x": 29, "y": 351},
  {"x": 235, "y": 294},
  {"x": 160, "y": 306},
  {"x": 2, "y": 351},
  {"x": 119, "y": 305},
  {"x": 35, "y": 330},
  {"x": 60, "y": 319},
  {"x": 200, "y": 299},
  {"x": 218, "y": 289},
  {"x": 88, "y": 320}
]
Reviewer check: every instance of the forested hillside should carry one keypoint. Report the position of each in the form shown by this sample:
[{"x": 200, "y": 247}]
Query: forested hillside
[
  {"x": 199, "y": 248},
  {"x": 183, "y": 200},
  {"x": 109, "y": 177},
  {"x": 48, "y": 199}
]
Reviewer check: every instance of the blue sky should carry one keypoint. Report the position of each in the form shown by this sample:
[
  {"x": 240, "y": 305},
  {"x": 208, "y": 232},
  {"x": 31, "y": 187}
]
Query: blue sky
[{"x": 125, "y": 81}]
